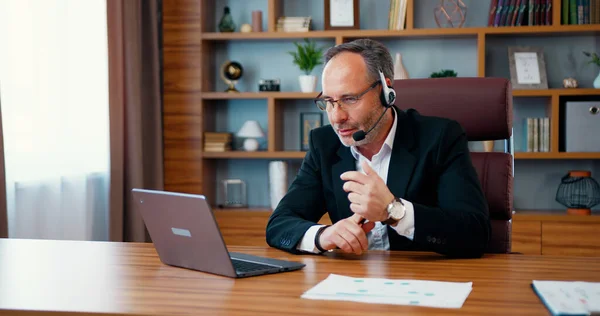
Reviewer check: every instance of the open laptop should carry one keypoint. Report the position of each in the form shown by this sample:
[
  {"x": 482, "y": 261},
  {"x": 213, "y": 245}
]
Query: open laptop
[{"x": 185, "y": 234}]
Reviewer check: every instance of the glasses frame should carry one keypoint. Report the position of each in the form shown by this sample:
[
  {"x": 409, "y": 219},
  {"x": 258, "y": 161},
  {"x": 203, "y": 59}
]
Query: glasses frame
[{"x": 357, "y": 97}]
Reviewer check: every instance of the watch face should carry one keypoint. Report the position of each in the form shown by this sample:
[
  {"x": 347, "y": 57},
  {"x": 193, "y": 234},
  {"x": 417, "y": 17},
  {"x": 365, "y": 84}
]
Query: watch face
[{"x": 397, "y": 210}]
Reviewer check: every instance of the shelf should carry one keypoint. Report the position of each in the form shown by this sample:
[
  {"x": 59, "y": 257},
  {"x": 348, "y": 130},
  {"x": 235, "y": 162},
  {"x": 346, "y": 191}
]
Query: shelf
[
  {"x": 561, "y": 155},
  {"x": 312, "y": 95},
  {"x": 258, "y": 95},
  {"x": 425, "y": 32},
  {"x": 554, "y": 216},
  {"x": 254, "y": 155},
  {"x": 551, "y": 92}
]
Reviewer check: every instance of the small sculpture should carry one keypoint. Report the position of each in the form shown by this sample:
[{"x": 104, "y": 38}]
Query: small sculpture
[
  {"x": 246, "y": 28},
  {"x": 570, "y": 83},
  {"x": 226, "y": 24},
  {"x": 231, "y": 72},
  {"x": 450, "y": 13}
]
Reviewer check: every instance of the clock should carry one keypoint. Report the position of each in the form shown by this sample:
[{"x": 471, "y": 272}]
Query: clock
[{"x": 342, "y": 15}]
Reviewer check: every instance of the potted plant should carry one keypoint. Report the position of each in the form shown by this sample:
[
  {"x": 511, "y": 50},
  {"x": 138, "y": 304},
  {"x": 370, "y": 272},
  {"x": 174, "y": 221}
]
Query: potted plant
[
  {"x": 443, "y": 73},
  {"x": 307, "y": 56},
  {"x": 595, "y": 60}
]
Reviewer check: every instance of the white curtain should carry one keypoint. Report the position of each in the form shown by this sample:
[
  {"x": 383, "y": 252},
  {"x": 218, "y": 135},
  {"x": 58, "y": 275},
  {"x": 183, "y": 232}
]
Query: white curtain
[{"x": 54, "y": 96}]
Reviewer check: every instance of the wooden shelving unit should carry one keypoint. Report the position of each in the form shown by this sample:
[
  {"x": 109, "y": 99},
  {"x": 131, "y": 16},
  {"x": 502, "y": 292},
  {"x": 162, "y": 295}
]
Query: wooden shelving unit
[
  {"x": 190, "y": 99},
  {"x": 450, "y": 32},
  {"x": 254, "y": 155},
  {"x": 556, "y": 155}
]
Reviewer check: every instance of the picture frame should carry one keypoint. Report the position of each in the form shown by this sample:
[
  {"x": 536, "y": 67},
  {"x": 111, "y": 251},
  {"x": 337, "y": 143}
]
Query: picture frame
[
  {"x": 342, "y": 14},
  {"x": 527, "y": 67},
  {"x": 308, "y": 121}
]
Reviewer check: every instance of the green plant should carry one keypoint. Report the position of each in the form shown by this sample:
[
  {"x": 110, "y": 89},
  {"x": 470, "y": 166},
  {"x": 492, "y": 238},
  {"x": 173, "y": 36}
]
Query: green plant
[
  {"x": 595, "y": 58},
  {"x": 443, "y": 73},
  {"x": 307, "y": 56}
]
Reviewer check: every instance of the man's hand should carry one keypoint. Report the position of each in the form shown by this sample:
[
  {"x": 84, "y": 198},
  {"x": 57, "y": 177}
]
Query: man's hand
[
  {"x": 368, "y": 194},
  {"x": 348, "y": 235}
]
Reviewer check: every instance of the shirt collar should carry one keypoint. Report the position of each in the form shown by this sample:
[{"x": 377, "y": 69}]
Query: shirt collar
[{"x": 389, "y": 140}]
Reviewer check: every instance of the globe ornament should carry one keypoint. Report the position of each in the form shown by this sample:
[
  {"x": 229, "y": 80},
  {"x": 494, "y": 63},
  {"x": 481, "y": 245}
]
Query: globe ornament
[
  {"x": 450, "y": 13},
  {"x": 231, "y": 72}
]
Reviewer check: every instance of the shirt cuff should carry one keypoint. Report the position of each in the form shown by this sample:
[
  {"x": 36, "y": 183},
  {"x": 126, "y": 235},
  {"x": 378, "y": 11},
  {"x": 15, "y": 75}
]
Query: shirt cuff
[
  {"x": 406, "y": 226},
  {"x": 307, "y": 244}
]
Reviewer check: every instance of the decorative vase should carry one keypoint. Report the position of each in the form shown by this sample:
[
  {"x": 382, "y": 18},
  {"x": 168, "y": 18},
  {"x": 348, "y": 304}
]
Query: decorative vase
[
  {"x": 450, "y": 13},
  {"x": 226, "y": 24},
  {"x": 597, "y": 81},
  {"x": 277, "y": 181},
  {"x": 308, "y": 83},
  {"x": 399, "y": 70}
]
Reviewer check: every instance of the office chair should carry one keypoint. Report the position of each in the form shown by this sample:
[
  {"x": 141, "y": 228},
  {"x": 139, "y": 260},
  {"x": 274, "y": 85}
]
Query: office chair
[{"x": 483, "y": 107}]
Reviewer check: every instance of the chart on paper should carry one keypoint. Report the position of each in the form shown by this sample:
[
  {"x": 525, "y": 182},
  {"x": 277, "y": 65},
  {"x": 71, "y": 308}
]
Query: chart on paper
[{"x": 391, "y": 291}]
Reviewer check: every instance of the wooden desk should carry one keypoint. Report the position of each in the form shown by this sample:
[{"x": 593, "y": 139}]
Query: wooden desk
[{"x": 38, "y": 276}]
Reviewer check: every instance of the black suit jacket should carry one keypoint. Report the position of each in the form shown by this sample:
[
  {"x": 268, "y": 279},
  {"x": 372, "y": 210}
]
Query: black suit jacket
[{"x": 430, "y": 166}]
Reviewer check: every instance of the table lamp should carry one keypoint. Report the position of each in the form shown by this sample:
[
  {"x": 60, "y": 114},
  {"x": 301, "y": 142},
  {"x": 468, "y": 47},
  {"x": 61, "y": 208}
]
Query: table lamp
[
  {"x": 251, "y": 131},
  {"x": 579, "y": 192}
]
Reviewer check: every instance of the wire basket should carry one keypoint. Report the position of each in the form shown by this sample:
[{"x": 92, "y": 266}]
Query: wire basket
[{"x": 579, "y": 192}]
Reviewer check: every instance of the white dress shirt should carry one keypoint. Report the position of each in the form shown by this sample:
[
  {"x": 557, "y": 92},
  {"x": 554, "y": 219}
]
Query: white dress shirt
[{"x": 378, "y": 237}]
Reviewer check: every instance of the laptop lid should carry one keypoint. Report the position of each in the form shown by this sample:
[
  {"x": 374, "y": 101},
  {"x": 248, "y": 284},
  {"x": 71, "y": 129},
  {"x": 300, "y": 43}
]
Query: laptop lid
[
  {"x": 184, "y": 231},
  {"x": 186, "y": 234}
]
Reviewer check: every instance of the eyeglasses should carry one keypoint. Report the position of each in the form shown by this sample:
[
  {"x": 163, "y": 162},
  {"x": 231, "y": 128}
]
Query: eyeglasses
[{"x": 326, "y": 104}]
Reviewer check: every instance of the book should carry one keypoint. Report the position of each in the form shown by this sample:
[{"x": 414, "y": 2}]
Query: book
[{"x": 569, "y": 297}]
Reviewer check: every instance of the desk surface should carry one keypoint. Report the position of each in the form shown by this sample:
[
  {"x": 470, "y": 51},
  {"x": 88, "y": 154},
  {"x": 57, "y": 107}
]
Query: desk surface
[{"x": 128, "y": 278}]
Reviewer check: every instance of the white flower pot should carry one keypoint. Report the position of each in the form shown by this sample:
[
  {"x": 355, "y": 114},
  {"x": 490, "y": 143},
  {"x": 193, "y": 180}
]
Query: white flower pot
[{"x": 308, "y": 83}]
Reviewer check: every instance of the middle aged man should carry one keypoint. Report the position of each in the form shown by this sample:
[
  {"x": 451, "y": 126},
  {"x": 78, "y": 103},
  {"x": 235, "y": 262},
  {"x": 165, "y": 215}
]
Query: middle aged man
[{"x": 389, "y": 179}]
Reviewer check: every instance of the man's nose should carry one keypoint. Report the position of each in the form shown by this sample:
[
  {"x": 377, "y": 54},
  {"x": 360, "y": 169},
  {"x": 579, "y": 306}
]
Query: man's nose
[{"x": 338, "y": 115}]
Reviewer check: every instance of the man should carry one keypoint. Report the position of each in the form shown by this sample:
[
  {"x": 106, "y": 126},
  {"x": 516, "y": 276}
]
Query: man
[{"x": 405, "y": 183}]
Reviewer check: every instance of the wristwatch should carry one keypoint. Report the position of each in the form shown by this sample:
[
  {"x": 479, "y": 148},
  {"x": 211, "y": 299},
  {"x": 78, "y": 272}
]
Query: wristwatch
[{"x": 396, "y": 211}]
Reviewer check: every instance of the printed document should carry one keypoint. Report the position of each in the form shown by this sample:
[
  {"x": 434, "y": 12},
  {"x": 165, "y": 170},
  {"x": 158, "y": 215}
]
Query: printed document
[{"x": 391, "y": 291}]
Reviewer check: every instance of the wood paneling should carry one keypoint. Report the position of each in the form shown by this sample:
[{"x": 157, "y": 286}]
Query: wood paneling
[
  {"x": 48, "y": 277},
  {"x": 553, "y": 216},
  {"x": 570, "y": 239},
  {"x": 181, "y": 89},
  {"x": 527, "y": 237},
  {"x": 247, "y": 227},
  {"x": 243, "y": 227}
]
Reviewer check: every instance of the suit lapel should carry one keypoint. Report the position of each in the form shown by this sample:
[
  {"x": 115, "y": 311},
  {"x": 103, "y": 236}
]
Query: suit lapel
[
  {"x": 346, "y": 163},
  {"x": 402, "y": 162}
]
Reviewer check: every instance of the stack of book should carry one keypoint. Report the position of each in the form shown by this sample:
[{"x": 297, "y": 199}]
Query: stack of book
[
  {"x": 293, "y": 24},
  {"x": 537, "y": 131},
  {"x": 397, "y": 17},
  {"x": 580, "y": 11},
  {"x": 217, "y": 142},
  {"x": 520, "y": 12}
]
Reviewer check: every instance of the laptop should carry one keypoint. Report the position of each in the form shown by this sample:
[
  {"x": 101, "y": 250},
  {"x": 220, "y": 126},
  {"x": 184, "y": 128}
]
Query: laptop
[{"x": 185, "y": 234}]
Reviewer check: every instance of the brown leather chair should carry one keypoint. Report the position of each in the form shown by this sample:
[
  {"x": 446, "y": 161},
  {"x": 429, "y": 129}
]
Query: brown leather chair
[{"x": 483, "y": 107}]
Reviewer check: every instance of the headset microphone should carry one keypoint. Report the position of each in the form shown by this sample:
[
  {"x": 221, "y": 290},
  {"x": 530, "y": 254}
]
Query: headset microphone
[{"x": 388, "y": 96}]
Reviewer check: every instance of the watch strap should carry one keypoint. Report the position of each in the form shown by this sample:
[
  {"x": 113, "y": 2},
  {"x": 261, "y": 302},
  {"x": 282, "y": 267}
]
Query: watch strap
[{"x": 317, "y": 236}]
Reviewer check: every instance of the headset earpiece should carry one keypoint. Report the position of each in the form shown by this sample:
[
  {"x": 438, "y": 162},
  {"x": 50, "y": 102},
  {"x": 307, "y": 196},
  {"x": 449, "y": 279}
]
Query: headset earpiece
[{"x": 388, "y": 95}]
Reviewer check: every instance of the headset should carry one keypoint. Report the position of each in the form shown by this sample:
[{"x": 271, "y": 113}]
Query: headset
[
  {"x": 388, "y": 95},
  {"x": 387, "y": 98}
]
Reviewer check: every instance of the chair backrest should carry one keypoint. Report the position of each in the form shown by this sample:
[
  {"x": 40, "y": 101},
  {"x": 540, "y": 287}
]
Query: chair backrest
[{"x": 483, "y": 107}]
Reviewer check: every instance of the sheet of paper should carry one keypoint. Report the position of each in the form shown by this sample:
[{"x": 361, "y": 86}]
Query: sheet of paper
[
  {"x": 391, "y": 291},
  {"x": 569, "y": 297}
]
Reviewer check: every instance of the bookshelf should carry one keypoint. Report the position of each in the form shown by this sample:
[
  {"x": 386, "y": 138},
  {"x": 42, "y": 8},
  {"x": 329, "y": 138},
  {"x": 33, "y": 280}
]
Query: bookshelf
[{"x": 192, "y": 101}]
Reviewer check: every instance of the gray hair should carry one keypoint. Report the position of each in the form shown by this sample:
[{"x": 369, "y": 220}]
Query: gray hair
[{"x": 375, "y": 55}]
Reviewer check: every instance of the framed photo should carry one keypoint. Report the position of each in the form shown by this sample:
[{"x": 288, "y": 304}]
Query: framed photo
[
  {"x": 342, "y": 14},
  {"x": 308, "y": 121},
  {"x": 527, "y": 68}
]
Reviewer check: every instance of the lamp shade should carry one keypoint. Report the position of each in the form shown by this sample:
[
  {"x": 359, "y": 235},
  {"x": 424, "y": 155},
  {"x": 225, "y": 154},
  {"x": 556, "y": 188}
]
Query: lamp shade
[{"x": 251, "y": 129}]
